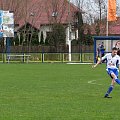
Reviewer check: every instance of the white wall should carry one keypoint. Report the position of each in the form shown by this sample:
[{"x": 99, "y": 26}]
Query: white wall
[
  {"x": 44, "y": 29},
  {"x": 47, "y": 28}
]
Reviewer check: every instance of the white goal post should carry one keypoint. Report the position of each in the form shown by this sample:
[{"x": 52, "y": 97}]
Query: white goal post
[{"x": 107, "y": 41}]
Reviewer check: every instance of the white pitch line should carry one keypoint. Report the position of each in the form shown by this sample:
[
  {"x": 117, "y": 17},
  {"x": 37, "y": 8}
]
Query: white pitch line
[
  {"x": 93, "y": 82},
  {"x": 80, "y": 63}
]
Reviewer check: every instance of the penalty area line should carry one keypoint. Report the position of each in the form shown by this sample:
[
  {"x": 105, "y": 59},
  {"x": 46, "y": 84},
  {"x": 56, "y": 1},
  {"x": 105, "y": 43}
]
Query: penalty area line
[{"x": 93, "y": 82}]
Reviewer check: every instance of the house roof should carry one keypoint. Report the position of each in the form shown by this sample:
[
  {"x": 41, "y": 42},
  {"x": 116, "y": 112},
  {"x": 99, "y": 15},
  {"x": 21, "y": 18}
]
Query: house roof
[{"x": 40, "y": 12}]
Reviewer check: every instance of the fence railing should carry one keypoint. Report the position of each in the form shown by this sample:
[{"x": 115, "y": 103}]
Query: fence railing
[{"x": 45, "y": 57}]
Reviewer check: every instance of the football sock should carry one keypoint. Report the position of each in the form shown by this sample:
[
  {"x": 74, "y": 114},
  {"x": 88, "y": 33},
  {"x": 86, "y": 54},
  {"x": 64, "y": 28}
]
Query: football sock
[
  {"x": 109, "y": 90},
  {"x": 117, "y": 81}
]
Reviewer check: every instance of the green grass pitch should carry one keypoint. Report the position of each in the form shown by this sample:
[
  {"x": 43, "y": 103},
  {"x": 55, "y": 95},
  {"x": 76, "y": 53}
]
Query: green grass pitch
[{"x": 56, "y": 92}]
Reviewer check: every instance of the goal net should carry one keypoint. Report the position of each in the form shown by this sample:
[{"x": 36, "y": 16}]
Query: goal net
[{"x": 104, "y": 44}]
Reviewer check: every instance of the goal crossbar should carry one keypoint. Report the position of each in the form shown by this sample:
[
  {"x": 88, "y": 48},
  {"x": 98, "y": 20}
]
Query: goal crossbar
[{"x": 106, "y": 38}]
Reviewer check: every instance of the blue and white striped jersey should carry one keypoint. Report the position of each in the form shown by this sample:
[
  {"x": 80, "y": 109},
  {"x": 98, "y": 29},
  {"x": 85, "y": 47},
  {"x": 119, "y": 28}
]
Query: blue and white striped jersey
[{"x": 112, "y": 62}]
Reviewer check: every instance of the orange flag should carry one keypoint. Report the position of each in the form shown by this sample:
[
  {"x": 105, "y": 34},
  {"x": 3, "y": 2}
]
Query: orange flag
[{"x": 112, "y": 10}]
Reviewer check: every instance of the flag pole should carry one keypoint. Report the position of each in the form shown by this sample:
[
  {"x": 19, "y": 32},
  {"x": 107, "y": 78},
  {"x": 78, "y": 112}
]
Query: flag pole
[
  {"x": 107, "y": 25},
  {"x": 107, "y": 28}
]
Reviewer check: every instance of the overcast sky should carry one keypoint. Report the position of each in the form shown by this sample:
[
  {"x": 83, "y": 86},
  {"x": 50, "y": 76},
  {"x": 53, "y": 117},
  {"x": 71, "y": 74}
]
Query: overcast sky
[
  {"x": 118, "y": 1},
  {"x": 90, "y": 8},
  {"x": 91, "y": 2}
]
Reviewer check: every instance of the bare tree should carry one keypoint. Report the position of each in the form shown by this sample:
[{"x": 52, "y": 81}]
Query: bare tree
[
  {"x": 80, "y": 4},
  {"x": 102, "y": 10}
]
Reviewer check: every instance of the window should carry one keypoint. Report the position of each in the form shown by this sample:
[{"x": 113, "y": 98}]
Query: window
[{"x": 54, "y": 14}]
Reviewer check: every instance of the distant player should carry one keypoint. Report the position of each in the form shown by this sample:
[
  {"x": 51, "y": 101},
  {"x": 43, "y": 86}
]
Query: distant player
[
  {"x": 102, "y": 49},
  {"x": 113, "y": 62}
]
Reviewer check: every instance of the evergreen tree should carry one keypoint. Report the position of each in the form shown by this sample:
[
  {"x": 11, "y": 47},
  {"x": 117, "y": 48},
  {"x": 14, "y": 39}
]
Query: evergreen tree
[{"x": 42, "y": 39}]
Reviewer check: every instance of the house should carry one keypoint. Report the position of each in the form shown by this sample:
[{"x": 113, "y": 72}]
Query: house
[
  {"x": 113, "y": 28},
  {"x": 41, "y": 14}
]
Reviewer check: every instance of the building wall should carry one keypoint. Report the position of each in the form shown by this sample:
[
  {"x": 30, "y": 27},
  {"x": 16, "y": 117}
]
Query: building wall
[
  {"x": 47, "y": 28},
  {"x": 44, "y": 29}
]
